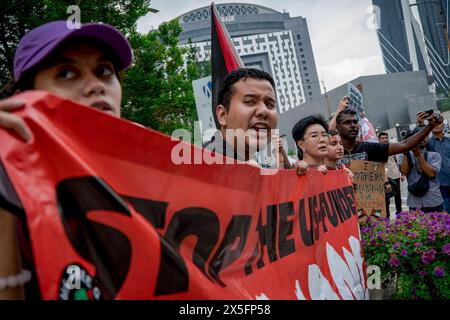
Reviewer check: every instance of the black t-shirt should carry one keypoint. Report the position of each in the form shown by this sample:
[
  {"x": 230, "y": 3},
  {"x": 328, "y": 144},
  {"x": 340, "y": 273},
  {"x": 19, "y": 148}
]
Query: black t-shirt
[
  {"x": 368, "y": 151},
  {"x": 218, "y": 145}
]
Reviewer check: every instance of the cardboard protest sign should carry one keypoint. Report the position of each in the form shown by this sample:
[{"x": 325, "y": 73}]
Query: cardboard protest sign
[
  {"x": 111, "y": 216},
  {"x": 369, "y": 178}
]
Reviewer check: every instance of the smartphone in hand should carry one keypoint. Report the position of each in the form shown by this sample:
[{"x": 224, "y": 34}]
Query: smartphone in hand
[{"x": 429, "y": 113}]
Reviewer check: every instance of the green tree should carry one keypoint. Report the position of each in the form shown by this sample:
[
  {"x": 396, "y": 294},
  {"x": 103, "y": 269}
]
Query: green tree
[
  {"x": 158, "y": 87},
  {"x": 17, "y": 17}
]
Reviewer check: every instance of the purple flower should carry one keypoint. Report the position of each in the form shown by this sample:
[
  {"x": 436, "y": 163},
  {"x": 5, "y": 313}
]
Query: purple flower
[
  {"x": 363, "y": 242},
  {"x": 373, "y": 243},
  {"x": 418, "y": 244},
  {"x": 439, "y": 272},
  {"x": 428, "y": 256},
  {"x": 394, "y": 262},
  {"x": 422, "y": 273},
  {"x": 396, "y": 245},
  {"x": 404, "y": 253},
  {"x": 365, "y": 229},
  {"x": 446, "y": 248},
  {"x": 413, "y": 235},
  {"x": 431, "y": 237}
]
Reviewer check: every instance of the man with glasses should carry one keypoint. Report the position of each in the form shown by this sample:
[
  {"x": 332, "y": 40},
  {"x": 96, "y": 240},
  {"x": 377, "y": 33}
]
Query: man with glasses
[{"x": 348, "y": 128}]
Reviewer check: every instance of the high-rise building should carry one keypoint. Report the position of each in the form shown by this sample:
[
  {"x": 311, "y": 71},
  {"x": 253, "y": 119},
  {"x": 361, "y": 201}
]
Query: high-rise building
[
  {"x": 434, "y": 19},
  {"x": 265, "y": 39},
  {"x": 392, "y": 36},
  {"x": 413, "y": 36}
]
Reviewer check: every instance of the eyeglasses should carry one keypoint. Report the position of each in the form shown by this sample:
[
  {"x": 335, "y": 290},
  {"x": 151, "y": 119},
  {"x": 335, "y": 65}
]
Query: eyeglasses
[{"x": 316, "y": 136}]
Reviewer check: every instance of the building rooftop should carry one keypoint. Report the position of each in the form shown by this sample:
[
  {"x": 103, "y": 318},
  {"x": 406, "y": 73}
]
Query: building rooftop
[{"x": 225, "y": 10}]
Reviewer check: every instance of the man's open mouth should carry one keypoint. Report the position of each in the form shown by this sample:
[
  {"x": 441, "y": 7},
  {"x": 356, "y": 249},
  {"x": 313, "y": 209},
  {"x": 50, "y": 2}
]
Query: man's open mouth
[{"x": 260, "y": 127}]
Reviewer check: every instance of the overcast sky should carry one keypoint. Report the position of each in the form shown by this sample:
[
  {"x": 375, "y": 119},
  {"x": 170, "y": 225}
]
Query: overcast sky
[{"x": 344, "y": 46}]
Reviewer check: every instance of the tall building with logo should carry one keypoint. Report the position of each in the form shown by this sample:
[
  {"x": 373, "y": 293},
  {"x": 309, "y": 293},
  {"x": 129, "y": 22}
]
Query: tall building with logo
[{"x": 265, "y": 39}]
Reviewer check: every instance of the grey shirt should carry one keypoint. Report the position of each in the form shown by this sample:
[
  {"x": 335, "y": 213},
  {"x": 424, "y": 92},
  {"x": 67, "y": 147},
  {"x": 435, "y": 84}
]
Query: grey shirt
[{"x": 433, "y": 197}]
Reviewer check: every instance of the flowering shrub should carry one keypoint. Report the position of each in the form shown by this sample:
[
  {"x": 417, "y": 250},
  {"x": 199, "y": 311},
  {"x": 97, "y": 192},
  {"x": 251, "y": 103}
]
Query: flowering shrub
[{"x": 414, "y": 249}]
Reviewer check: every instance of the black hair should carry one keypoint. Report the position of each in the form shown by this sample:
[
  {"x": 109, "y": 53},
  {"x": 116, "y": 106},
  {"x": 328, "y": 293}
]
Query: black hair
[
  {"x": 226, "y": 87},
  {"x": 345, "y": 111},
  {"x": 333, "y": 133},
  {"x": 382, "y": 134},
  {"x": 298, "y": 132}
]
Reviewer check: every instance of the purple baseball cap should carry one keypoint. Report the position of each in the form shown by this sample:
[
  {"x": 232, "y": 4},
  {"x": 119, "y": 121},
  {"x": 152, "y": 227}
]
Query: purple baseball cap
[{"x": 37, "y": 44}]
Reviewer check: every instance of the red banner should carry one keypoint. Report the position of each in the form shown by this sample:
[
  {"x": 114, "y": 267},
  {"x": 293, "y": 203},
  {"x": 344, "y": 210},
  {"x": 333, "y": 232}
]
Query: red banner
[{"x": 112, "y": 217}]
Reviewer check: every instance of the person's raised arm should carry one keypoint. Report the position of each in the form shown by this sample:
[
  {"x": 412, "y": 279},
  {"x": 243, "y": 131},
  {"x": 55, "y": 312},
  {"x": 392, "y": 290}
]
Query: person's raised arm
[
  {"x": 404, "y": 165},
  {"x": 426, "y": 167},
  {"x": 342, "y": 105},
  {"x": 414, "y": 140}
]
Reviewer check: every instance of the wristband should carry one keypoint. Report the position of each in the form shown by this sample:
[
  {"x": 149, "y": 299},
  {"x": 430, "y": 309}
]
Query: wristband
[{"x": 19, "y": 279}]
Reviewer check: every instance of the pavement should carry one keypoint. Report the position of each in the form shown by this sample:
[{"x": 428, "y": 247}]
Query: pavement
[{"x": 404, "y": 193}]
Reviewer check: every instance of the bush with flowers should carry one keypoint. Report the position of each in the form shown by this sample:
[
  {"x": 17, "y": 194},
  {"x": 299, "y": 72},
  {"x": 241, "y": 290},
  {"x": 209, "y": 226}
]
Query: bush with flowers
[{"x": 414, "y": 250}]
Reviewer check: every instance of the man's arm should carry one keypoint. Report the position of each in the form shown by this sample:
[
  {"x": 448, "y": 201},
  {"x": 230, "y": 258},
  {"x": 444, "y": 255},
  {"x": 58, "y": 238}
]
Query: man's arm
[
  {"x": 426, "y": 167},
  {"x": 411, "y": 142},
  {"x": 9, "y": 255},
  {"x": 287, "y": 164},
  {"x": 342, "y": 105},
  {"x": 404, "y": 165}
]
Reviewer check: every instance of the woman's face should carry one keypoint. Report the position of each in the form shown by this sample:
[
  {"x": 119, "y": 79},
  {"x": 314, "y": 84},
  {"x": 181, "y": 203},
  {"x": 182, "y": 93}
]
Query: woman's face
[
  {"x": 335, "y": 148},
  {"x": 83, "y": 73},
  {"x": 315, "y": 142}
]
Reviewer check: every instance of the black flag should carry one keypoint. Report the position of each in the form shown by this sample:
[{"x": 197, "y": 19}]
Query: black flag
[{"x": 224, "y": 57}]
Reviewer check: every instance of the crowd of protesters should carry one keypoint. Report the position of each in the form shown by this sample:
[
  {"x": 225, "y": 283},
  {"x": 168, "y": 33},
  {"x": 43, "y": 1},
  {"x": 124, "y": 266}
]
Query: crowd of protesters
[{"x": 83, "y": 65}]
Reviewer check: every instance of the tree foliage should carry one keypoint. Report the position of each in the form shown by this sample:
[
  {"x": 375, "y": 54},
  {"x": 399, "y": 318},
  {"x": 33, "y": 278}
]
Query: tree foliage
[{"x": 157, "y": 88}]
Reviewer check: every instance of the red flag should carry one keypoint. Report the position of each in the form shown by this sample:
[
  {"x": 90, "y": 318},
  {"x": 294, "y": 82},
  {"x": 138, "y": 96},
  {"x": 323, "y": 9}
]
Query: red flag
[{"x": 224, "y": 57}]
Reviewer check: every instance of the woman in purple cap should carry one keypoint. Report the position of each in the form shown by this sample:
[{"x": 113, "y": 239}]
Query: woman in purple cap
[{"x": 81, "y": 65}]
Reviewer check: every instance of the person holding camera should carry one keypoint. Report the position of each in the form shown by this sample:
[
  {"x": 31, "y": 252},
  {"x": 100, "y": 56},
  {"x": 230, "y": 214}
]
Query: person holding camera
[
  {"x": 347, "y": 124},
  {"x": 421, "y": 168},
  {"x": 441, "y": 144}
]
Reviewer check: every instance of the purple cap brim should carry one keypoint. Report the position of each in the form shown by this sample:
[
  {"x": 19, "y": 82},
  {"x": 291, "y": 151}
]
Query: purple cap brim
[{"x": 36, "y": 45}]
